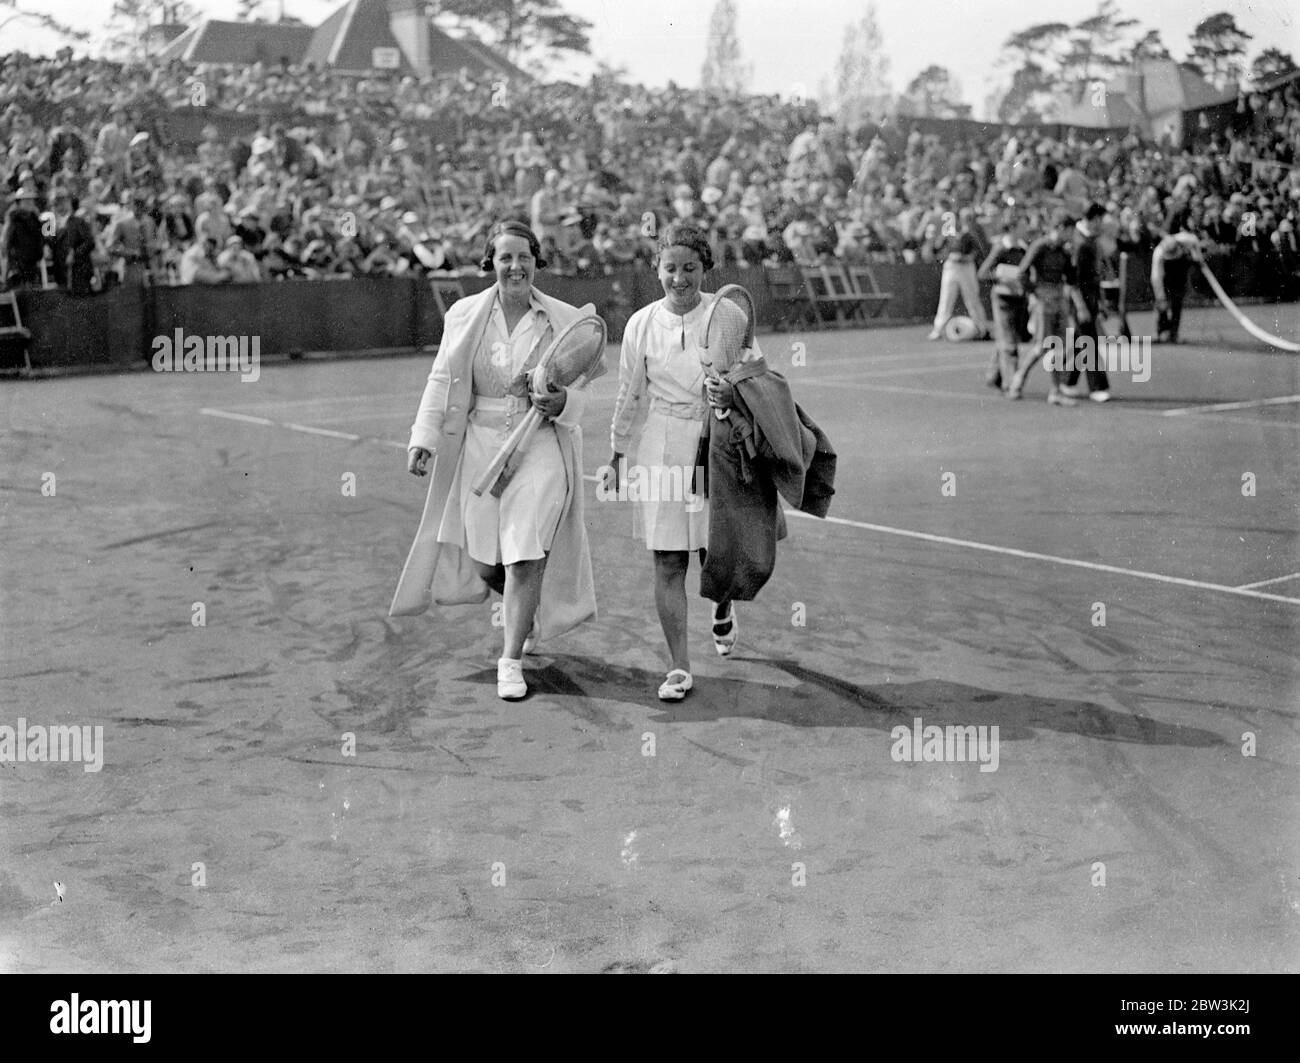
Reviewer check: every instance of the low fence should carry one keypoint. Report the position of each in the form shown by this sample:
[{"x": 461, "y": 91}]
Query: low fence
[{"x": 118, "y": 327}]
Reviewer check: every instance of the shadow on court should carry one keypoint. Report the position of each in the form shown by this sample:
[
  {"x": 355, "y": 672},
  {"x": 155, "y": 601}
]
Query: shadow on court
[{"x": 821, "y": 700}]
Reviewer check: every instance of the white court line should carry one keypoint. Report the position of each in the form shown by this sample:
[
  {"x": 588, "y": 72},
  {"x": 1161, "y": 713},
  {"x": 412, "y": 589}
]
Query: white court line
[
  {"x": 390, "y": 415},
  {"x": 857, "y": 382},
  {"x": 1029, "y": 555},
  {"x": 319, "y": 431},
  {"x": 893, "y": 388},
  {"x": 316, "y": 402},
  {"x": 1281, "y": 400},
  {"x": 236, "y": 416},
  {"x": 963, "y": 367},
  {"x": 308, "y": 429},
  {"x": 780, "y": 360},
  {"x": 1266, "y": 582}
]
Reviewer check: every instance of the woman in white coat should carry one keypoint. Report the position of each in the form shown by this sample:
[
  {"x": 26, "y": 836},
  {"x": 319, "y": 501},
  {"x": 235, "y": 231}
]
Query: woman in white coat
[{"x": 529, "y": 545}]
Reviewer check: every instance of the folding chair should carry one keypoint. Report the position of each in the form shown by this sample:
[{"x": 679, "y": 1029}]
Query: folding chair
[
  {"x": 790, "y": 294},
  {"x": 12, "y": 333},
  {"x": 844, "y": 294},
  {"x": 864, "y": 283},
  {"x": 830, "y": 304}
]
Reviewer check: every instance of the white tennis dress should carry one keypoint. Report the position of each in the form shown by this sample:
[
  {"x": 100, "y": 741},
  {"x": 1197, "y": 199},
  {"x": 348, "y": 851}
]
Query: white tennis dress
[
  {"x": 658, "y": 420},
  {"x": 520, "y": 525}
]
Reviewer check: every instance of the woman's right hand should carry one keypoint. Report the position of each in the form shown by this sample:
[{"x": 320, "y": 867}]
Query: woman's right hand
[{"x": 417, "y": 459}]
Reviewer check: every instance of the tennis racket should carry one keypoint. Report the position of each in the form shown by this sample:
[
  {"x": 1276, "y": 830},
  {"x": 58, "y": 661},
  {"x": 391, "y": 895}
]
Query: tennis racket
[
  {"x": 728, "y": 333},
  {"x": 574, "y": 357}
]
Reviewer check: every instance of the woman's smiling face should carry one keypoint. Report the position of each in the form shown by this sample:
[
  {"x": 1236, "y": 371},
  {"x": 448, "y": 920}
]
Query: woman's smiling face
[
  {"x": 681, "y": 273},
  {"x": 514, "y": 264}
]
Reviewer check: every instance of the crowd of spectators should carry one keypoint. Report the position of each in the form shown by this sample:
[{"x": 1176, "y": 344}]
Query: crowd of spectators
[{"x": 328, "y": 176}]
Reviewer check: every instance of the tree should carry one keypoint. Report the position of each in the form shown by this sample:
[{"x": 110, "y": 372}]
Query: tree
[
  {"x": 1218, "y": 49},
  {"x": 1029, "y": 97},
  {"x": 130, "y": 21},
  {"x": 861, "y": 79},
  {"x": 1033, "y": 55},
  {"x": 936, "y": 93},
  {"x": 49, "y": 22},
  {"x": 246, "y": 9},
  {"x": 1150, "y": 46},
  {"x": 723, "y": 69},
  {"x": 1095, "y": 47},
  {"x": 522, "y": 27},
  {"x": 607, "y": 73},
  {"x": 1270, "y": 63}
]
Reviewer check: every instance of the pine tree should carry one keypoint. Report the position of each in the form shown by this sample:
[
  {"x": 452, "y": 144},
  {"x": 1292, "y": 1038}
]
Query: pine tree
[
  {"x": 861, "y": 81},
  {"x": 723, "y": 69}
]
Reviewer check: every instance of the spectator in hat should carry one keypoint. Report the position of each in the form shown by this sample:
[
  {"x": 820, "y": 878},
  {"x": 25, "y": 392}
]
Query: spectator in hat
[
  {"x": 72, "y": 246},
  {"x": 22, "y": 242},
  {"x": 547, "y": 207},
  {"x": 132, "y": 237},
  {"x": 958, "y": 248},
  {"x": 114, "y": 141},
  {"x": 239, "y": 262},
  {"x": 530, "y": 166},
  {"x": 212, "y": 221},
  {"x": 67, "y": 146},
  {"x": 211, "y": 152}
]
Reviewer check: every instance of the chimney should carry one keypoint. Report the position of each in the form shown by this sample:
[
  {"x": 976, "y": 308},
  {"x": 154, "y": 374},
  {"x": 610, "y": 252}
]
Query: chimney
[{"x": 410, "y": 25}]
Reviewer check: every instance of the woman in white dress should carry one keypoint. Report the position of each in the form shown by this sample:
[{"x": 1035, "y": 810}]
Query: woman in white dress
[
  {"x": 663, "y": 398},
  {"x": 476, "y": 394}
]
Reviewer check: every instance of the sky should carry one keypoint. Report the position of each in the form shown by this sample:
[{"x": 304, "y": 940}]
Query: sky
[{"x": 793, "y": 44}]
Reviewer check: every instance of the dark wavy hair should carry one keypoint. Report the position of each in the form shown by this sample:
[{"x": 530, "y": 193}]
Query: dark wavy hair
[
  {"x": 511, "y": 227},
  {"x": 679, "y": 234}
]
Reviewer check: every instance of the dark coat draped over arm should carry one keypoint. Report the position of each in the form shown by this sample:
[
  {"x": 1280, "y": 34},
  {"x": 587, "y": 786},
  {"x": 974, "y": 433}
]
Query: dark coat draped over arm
[{"x": 767, "y": 449}]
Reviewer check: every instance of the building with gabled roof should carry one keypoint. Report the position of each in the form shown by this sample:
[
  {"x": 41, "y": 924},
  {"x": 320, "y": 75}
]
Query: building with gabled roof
[
  {"x": 217, "y": 41},
  {"x": 1151, "y": 94},
  {"x": 361, "y": 37}
]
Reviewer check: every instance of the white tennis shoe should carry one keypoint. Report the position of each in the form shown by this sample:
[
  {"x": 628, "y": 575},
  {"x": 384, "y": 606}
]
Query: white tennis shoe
[{"x": 510, "y": 679}]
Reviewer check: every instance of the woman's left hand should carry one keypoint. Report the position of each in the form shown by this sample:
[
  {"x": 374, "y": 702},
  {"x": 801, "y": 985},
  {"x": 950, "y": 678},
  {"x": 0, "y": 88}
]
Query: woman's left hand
[
  {"x": 551, "y": 403},
  {"x": 720, "y": 393}
]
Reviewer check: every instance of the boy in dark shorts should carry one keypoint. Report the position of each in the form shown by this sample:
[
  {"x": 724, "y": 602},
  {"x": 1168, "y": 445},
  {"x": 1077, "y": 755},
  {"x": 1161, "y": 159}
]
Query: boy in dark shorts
[
  {"x": 1010, "y": 304},
  {"x": 1047, "y": 272}
]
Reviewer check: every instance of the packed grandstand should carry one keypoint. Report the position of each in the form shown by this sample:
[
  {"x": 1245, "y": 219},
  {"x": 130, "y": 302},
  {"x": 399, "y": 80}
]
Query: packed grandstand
[{"x": 297, "y": 172}]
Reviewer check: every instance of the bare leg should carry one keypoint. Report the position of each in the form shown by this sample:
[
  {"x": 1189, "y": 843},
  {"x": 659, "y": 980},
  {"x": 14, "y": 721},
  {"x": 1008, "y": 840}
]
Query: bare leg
[
  {"x": 522, "y": 595},
  {"x": 670, "y": 601},
  {"x": 493, "y": 575}
]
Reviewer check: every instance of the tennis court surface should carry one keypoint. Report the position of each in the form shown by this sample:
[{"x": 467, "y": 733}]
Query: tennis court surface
[{"x": 1114, "y": 587}]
